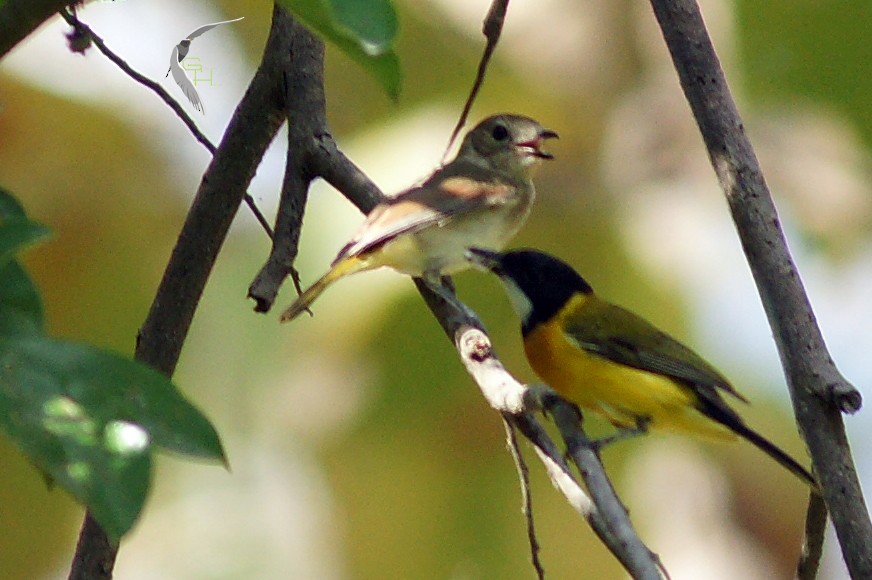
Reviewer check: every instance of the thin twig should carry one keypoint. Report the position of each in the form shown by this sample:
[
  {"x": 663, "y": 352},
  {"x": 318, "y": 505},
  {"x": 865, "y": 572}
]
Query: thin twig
[
  {"x": 526, "y": 495},
  {"x": 813, "y": 542},
  {"x": 492, "y": 29},
  {"x": 585, "y": 457},
  {"x": 818, "y": 391},
  {"x": 180, "y": 112}
]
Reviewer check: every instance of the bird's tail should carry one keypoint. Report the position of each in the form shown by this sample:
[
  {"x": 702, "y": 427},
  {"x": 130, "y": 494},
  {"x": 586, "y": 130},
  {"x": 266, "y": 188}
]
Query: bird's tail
[
  {"x": 342, "y": 268},
  {"x": 777, "y": 454}
]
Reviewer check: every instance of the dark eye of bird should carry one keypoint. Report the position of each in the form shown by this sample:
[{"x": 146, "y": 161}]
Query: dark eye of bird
[{"x": 500, "y": 133}]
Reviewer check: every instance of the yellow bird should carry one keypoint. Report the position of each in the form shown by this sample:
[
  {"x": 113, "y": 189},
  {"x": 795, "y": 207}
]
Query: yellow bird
[
  {"x": 610, "y": 361},
  {"x": 481, "y": 198}
]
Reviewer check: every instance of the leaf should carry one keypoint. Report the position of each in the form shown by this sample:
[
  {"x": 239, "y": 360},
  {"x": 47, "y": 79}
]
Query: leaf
[
  {"x": 16, "y": 231},
  {"x": 21, "y": 312},
  {"x": 365, "y": 30},
  {"x": 9, "y": 207},
  {"x": 16, "y": 234},
  {"x": 89, "y": 419}
]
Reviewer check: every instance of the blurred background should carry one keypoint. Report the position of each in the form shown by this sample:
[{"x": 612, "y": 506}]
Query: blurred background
[{"x": 359, "y": 447}]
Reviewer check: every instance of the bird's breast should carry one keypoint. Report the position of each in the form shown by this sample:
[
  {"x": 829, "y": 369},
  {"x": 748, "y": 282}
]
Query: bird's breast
[{"x": 620, "y": 393}]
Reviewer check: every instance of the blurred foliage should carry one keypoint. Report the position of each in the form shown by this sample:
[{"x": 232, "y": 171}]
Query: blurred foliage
[
  {"x": 363, "y": 30},
  {"x": 806, "y": 50},
  {"x": 372, "y": 399},
  {"x": 85, "y": 417}
]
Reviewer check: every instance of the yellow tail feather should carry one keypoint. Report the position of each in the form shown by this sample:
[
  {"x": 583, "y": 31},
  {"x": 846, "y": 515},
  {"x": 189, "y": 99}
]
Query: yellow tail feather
[{"x": 341, "y": 269}]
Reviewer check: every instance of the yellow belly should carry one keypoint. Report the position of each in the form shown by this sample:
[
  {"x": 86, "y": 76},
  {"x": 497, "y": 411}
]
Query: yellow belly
[{"x": 617, "y": 392}]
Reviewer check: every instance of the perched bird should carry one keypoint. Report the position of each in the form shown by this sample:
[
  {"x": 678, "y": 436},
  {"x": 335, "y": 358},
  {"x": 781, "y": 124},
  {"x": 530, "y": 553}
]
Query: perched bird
[
  {"x": 481, "y": 198},
  {"x": 612, "y": 362},
  {"x": 180, "y": 51}
]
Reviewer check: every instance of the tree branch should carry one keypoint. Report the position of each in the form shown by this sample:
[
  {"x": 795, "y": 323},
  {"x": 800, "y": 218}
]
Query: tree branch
[
  {"x": 254, "y": 124},
  {"x": 605, "y": 514},
  {"x": 526, "y": 495},
  {"x": 312, "y": 153},
  {"x": 813, "y": 543},
  {"x": 587, "y": 460},
  {"x": 18, "y": 18},
  {"x": 818, "y": 391},
  {"x": 156, "y": 88}
]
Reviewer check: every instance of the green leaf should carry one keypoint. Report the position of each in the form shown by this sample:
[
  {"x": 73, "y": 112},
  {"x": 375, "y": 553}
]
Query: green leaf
[
  {"x": 365, "y": 30},
  {"x": 15, "y": 234},
  {"x": 16, "y": 231},
  {"x": 89, "y": 419},
  {"x": 21, "y": 311},
  {"x": 9, "y": 207}
]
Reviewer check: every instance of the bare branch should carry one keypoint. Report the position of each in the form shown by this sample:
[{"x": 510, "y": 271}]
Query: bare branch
[
  {"x": 606, "y": 515},
  {"x": 492, "y": 28},
  {"x": 340, "y": 172},
  {"x": 306, "y": 113},
  {"x": 18, "y": 18},
  {"x": 813, "y": 543},
  {"x": 818, "y": 391},
  {"x": 587, "y": 460},
  {"x": 254, "y": 124},
  {"x": 180, "y": 112},
  {"x": 95, "y": 554}
]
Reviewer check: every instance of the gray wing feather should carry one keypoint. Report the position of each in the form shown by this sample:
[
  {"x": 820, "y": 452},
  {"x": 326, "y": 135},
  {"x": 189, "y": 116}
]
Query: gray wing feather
[
  {"x": 184, "y": 82},
  {"x": 208, "y": 27}
]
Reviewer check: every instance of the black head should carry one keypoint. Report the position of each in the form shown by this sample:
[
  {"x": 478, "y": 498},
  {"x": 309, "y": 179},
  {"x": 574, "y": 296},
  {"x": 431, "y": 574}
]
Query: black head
[{"x": 538, "y": 284}]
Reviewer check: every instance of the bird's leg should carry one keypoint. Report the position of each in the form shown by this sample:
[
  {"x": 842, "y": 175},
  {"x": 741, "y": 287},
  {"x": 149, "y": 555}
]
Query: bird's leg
[
  {"x": 540, "y": 397},
  {"x": 641, "y": 428},
  {"x": 443, "y": 287}
]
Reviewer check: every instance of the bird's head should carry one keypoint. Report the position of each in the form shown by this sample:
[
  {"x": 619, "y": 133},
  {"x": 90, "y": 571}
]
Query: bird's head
[
  {"x": 538, "y": 285},
  {"x": 507, "y": 143}
]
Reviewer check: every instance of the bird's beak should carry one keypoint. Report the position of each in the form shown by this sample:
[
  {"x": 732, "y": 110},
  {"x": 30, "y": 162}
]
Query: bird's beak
[
  {"x": 484, "y": 259},
  {"x": 534, "y": 146}
]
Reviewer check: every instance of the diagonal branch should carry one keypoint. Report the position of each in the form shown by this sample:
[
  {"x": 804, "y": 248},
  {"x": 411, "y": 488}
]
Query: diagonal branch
[
  {"x": 606, "y": 514},
  {"x": 254, "y": 124},
  {"x": 312, "y": 153},
  {"x": 818, "y": 391},
  {"x": 19, "y": 18},
  {"x": 180, "y": 112}
]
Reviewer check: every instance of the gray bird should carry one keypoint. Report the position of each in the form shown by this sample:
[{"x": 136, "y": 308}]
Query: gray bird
[{"x": 180, "y": 51}]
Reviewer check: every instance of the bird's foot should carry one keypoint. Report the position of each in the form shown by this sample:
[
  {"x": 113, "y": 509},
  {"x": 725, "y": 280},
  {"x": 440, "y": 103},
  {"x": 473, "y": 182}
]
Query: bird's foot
[
  {"x": 443, "y": 287},
  {"x": 540, "y": 397},
  {"x": 641, "y": 428}
]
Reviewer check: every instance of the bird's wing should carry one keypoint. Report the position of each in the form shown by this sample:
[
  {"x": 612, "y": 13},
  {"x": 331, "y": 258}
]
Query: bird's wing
[
  {"x": 454, "y": 190},
  {"x": 184, "y": 82},
  {"x": 631, "y": 340},
  {"x": 208, "y": 27}
]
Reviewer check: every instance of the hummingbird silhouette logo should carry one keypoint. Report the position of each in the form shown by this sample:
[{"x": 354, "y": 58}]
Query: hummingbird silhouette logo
[{"x": 180, "y": 51}]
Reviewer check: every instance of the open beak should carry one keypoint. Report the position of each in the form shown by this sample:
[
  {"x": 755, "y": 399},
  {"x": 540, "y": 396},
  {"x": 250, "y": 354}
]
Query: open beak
[
  {"x": 484, "y": 259},
  {"x": 534, "y": 146}
]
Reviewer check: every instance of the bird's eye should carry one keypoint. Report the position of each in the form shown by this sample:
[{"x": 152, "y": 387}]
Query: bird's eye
[{"x": 500, "y": 133}]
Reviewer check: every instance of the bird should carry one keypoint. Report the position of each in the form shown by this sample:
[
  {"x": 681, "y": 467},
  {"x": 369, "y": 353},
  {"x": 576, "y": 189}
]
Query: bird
[
  {"x": 481, "y": 198},
  {"x": 610, "y": 361},
  {"x": 180, "y": 51}
]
